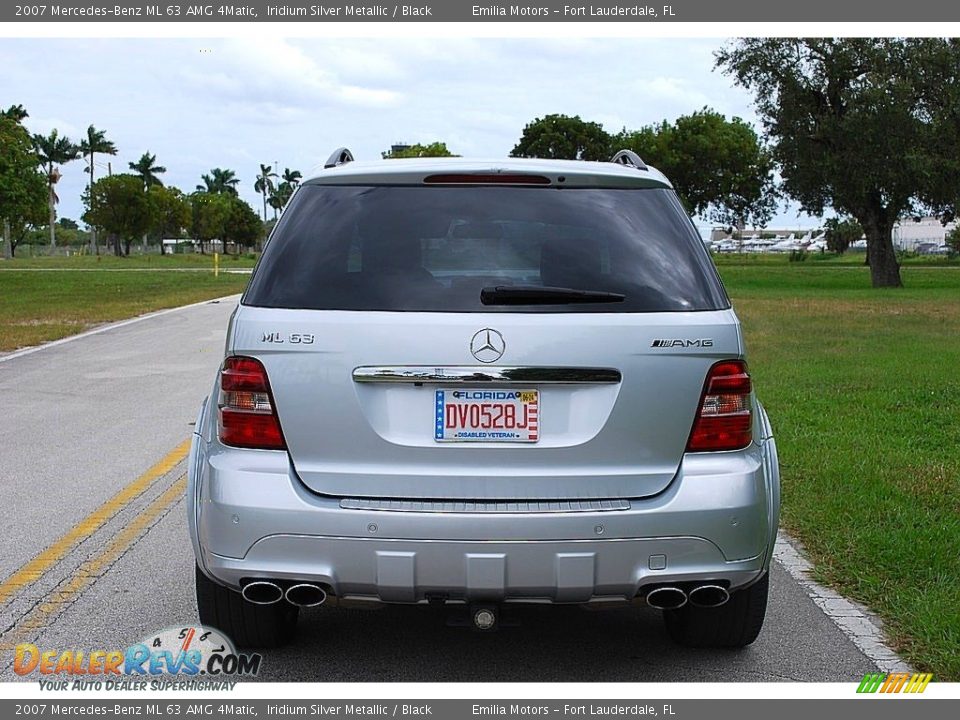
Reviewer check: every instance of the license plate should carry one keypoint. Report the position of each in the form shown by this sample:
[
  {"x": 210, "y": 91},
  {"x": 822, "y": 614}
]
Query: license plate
[{"x": 485, "y": 415}]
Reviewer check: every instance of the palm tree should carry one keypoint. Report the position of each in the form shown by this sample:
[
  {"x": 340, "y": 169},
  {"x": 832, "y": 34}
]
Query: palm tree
[
  {"x": 292, "y": 176},
  {"x": 53, "y": 150},
  {"x": 95, "y": 142},
  {"x": 219, "y": 181},
  {"x": 276, "y": 202},
  {"x": 264, "y": 185},
  {"x": 17, "y": 113},
  {"x": 145, "y": 168}
]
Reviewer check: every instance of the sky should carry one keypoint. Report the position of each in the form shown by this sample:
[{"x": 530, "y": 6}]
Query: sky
[{"x": 238, "y": 102}]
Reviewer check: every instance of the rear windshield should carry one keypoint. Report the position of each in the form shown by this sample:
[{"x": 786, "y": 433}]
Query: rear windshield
[{"x": 441, "y": 249}]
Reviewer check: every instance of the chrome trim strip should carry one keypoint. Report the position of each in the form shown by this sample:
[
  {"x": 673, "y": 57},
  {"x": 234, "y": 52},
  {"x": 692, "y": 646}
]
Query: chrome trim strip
[
  {"x": 461, "y": 375},
  {"x": 483, "y": 506}
]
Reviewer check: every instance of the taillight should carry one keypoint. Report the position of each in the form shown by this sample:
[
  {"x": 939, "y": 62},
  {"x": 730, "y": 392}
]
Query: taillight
[
  {"x": 724, "y": 420},
  {"x": 248, "y": 418}
]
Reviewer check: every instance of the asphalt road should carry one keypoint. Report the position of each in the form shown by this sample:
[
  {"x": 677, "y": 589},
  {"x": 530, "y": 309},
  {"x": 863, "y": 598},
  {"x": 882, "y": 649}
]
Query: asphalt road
[{"x": 84, "y": 568}]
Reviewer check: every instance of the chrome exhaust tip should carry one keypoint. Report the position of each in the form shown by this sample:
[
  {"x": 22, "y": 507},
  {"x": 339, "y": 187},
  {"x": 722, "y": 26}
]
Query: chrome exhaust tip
[
  {"x": 666, "y": 598},
  {"x": 708, "y": 596},
  {"x": 262, "y": 592},
  {"x": 305, "y": 595}
]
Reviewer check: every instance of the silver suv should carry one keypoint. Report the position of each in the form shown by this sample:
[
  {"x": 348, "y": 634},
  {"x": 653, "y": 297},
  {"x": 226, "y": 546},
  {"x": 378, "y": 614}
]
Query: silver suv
[{"x": 484, "y": 382}]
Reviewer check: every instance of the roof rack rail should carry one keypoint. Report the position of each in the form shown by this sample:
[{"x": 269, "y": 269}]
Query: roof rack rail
[
  {"x": 629, "y": 158},
  {"x": 340, "y": 156}
]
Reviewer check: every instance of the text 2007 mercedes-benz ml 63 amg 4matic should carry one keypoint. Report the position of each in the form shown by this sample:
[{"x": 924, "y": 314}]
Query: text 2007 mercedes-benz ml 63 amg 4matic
[{"x": 484, "y": 382}]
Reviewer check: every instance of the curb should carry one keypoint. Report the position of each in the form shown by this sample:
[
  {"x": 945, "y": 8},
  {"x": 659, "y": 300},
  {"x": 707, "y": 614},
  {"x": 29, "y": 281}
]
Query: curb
[{"x": 853, "y": 619}]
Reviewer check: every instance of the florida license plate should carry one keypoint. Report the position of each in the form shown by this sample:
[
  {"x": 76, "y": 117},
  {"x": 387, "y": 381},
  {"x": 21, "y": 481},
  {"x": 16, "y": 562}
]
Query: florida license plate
[{"x": 484, "y": 415}]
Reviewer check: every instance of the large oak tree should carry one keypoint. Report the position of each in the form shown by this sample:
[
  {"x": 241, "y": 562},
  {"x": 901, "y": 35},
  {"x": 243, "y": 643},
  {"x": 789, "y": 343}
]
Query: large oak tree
[{"x": 867, "y": 126}]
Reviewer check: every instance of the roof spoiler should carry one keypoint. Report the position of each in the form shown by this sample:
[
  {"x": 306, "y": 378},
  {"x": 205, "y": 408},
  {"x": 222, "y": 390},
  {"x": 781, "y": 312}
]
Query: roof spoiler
[
  {"x": 630, "y": 159},
  {"x": 340, "y": 156}
]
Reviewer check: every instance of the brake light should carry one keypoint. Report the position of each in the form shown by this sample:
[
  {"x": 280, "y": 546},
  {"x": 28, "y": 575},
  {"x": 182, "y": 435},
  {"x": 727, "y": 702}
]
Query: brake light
[
  {"x": 724, "y": 420},
  {"x": 489, "y": 179},
  {"x": 248, "y": 418}
]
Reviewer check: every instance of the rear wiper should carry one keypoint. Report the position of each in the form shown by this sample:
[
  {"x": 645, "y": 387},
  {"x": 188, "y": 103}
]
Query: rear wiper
[{"x": 544, "y": 295}]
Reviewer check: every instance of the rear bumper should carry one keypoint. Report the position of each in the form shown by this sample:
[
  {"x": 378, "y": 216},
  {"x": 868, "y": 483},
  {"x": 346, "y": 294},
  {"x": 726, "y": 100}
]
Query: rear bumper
[
  {"x": 411, "y": 571},
  {"x": 250, "y": 517}
]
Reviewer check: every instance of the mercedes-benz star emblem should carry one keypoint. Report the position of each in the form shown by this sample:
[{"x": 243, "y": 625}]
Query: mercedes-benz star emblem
[{"x": 487, "y": 345}]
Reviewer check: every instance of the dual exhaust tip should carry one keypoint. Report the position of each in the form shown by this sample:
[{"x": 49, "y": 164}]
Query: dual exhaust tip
[
  {"x": 267, "y": 592},
  {"x": 672, "y": 598}
]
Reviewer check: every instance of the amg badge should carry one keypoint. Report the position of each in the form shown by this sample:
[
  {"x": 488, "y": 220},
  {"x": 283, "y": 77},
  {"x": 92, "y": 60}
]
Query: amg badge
[{"x": 672, "y": 343}]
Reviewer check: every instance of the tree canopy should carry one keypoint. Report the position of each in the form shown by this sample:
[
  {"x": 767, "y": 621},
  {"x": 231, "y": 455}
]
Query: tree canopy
[
  {"x": 561, "y": 137},
  {"x": 170, "y": 211},
  {"x": 23, "y": 188},
  {"x": 220, "y": 216},
  {"x": 119, "y": 205},
  {"x": 841, "y": 234},
  {"x": 434, "y": 149},
  {"x": 242, "y": 225},
  {"x": 219, "y": 181},
  {"x": 718, "y": 166},
  {"x": 867, "y": 126},
  {"x": 148, "y": 170}
]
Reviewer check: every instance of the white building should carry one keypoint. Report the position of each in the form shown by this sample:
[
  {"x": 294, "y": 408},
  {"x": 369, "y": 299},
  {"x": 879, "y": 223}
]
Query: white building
[{"x": 910, "y": 234}]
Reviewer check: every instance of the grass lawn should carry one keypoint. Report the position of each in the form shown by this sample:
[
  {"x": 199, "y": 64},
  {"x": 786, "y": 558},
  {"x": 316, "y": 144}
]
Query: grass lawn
[
  {"x": 863, "y": 390},
  {"x": 37, "y": 307},
  {"x": 194, "y": 261}
]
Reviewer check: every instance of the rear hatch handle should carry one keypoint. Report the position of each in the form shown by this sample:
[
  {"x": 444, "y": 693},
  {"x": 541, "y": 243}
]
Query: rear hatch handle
[{"x": 471, "y": 375}]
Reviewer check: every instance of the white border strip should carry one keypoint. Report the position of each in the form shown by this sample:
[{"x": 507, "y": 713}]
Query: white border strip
[
  {"x": 852, "y": 619},
  {"x": 111, "y": 326}
]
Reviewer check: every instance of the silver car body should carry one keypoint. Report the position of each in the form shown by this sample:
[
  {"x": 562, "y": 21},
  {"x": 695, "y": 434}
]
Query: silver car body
[{"x": 367, "y": 505}]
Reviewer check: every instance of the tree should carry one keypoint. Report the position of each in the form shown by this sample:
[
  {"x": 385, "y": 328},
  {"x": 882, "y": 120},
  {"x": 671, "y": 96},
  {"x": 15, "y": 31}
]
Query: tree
[
  {"x": 146, "y": 168},
  {"x": 23, "y": 188},
  {"x": 718, "y": 166},
  {"x": 434, "y": 149},
  {"x": 841, "y": 234},
  {"x": 171, "y": 211},
  {"x": 563, "y": 137},
  {"x": 952, "y": 240},
  {"x": 867, "y": 126},
  {"x": 95, "y": 142},
  {"x": 264, "y": 185},
  {"x": 242, "y": 226},
  {"x": 219, "y": 181},
  {"x": 53, "y": 151},
  {"x": 120, "y": 206},
  {"x": 17, "y": 113},
  {"x": 281, "y": 194},
  {"x": 210, "y": 213}
]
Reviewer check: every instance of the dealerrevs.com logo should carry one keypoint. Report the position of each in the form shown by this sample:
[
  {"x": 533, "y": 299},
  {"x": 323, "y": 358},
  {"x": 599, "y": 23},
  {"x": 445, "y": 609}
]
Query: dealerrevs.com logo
[
  {"x": 894, "y": 682},
  {"x": 179, "y": 651}
]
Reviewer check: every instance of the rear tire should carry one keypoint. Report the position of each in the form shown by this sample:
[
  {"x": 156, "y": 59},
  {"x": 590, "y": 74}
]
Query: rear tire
[
  {"x": 247, "y": 624},
  {"x": 735, "y": 624}
]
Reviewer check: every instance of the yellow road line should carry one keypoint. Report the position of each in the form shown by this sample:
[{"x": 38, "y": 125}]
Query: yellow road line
[
  {"x": 35, "y": 568},
  {"x": 90, "y": 570}
]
